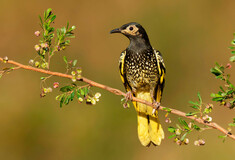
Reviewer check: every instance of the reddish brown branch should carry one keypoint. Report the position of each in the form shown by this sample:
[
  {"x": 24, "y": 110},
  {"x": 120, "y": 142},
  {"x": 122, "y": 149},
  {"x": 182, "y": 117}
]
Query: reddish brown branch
[{"x": 118, "y": 92}]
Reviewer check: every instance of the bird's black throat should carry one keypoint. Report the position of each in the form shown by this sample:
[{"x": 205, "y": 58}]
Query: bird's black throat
[{"x": 138, "y": 44}]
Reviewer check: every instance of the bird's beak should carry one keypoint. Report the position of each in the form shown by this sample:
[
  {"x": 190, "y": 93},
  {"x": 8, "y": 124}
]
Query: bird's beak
[{"x": 117, "y": 30}]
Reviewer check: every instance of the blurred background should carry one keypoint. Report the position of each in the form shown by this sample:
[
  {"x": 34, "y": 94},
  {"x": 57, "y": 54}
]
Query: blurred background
[{"x": 192, "y": 36}]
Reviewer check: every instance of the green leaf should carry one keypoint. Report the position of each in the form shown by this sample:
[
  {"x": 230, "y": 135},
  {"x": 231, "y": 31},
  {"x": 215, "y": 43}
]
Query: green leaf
[
  {"x": 183, "y": 137},
  {"x": 65, "y": 59},
  {"x": 217, "y": 70},
  {"x": 48, "y": 13},
  {"x": 82, "y": 92},
  {"x": 231, "y": 124},
  {"x": 217, "y": 99},
  {"x": 86, "y": 91},
  {"x": 78, "y": 93},
  {"x": 233, "y": 52},
  {"x": 58, "y": 32},
  {"x": 53, "y": 18},
  {"x": 232, "y": 59},
  {"x": 62, "y": 101},
  {"x": 199, "y": 97},
  {"x": 40, "y": 20},
  {"x": 123, "y": 100},
  {"x": 58, "y": 98},
  {"x": 171, "y": 129},
  {"x": 195, "y": 107},
  {"x": 171, "y": 136},
  {"x": 184, "y": 123},
  {"x": 72, "y": 95},
  {"x": 178, "y": 126},
  {"x": 231, "y": 86},
  {"x": 194, "y": 103},
  {"x": 68, "y": 98},
  {"x": 222, "y": 136},
  {"x": 42, "y": 78},
  {"x": 222, "y": 89},
  {"x": 67, "y": 26},
  {"x": 75, "y": 62},
  {"x": 213, "y": 95},
  {"x": 196, "y": 127},
  {"x": 191, "y": 113},
  {"x": 233, "y": 42},
  {"x": 229, "y": 92},
  {"x": 66, "y": 88},
  {"x": 167, "y": 109}
]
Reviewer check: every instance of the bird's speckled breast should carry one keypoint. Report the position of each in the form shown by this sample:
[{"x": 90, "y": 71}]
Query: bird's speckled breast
[{"x": 141, "y": 70}]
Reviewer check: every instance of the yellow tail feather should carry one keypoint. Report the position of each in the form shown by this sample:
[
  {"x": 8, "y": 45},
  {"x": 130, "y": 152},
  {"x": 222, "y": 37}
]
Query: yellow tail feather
[
  {"x": 155, "y": 131},
  {"x": 143, "y": 128},
  {"x": 149, "y": 127}
]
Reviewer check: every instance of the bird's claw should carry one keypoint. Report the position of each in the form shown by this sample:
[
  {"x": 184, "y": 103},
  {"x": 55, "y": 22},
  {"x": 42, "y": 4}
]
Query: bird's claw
[
  {"x": 127, "y": 97},
  {"x": 156, "y": 107}
]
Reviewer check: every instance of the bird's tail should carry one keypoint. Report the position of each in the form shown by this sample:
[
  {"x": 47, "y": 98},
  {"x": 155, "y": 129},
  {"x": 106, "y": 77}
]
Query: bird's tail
[{"x": 149, "y": 127}]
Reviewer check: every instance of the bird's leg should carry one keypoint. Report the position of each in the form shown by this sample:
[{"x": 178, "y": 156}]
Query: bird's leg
[
  {"x": 156, "y": 106},
  {"x": 155, "y": 103},
  {"x": 128, "y": 97}
]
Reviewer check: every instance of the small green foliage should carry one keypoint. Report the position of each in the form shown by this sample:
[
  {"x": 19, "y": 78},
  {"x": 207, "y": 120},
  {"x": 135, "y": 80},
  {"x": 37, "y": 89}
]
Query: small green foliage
[
  {"x": 67, "y": 88},
  {"x": 191, "y": 113},
  {"x": 218, "y": 70},
  {"x": 183, "y": 123},
  {"x": 196, "y": 127},
  {"x": 74, "y": 63},
  {"x": 171, "y": 129},
  {"x": 167, "y": 109},
  {"x": 223, "y": 137},
  {"x": 81, "y": 93},
  {"x": 65, "y": 59},
  {"x": 50, "y": 43},
  {"x": 232, "y": 59},
  {"x": 226, "y": 94},
  {"x": 195, "y": 105},
  {"x": 182, "y": 130}
]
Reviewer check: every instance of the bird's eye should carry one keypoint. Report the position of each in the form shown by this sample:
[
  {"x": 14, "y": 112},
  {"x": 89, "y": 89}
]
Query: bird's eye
[{"x": 131, "y": 28}]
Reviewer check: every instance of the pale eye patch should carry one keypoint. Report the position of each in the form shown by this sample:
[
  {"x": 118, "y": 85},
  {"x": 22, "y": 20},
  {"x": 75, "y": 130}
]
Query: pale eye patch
[{"x": 132, "y": 30}]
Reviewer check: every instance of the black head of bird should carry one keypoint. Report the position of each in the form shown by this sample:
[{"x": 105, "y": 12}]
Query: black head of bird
[{"x": 136, "y": 34}]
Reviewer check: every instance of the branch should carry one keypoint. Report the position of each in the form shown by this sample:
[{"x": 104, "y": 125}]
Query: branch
[{"x": 118, "y": 92}]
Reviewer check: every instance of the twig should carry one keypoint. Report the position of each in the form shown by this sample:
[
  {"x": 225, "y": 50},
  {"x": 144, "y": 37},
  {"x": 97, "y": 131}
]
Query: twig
[{"x": 118, "y": 92}]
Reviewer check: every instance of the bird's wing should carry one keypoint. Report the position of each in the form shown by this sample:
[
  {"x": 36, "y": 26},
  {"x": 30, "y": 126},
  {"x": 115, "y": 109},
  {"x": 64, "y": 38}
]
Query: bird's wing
[
  {"x": 123, "y": 72},
  {"x": 161, "y": 79}
]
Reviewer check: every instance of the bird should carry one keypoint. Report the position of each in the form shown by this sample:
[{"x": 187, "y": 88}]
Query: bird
[{"x": 142, "y": 72}]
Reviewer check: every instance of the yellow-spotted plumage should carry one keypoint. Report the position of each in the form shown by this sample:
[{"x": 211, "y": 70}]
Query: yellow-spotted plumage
[{"x": 142, "y": 72}]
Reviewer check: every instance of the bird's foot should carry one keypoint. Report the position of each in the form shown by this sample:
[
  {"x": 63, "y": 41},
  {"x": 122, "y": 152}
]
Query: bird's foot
[
  {"x": 127, "y": 97},
  {"x": 156, "y": 106}
]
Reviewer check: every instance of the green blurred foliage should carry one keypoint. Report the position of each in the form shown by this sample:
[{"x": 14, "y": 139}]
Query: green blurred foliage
[{"x": 191, "y": 35}]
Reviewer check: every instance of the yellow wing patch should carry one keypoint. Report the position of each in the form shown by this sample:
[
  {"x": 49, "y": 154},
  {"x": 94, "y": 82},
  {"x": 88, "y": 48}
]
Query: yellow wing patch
[
  {"x": 121, "y": 61},
  {"x": 161, "y": 69}
]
